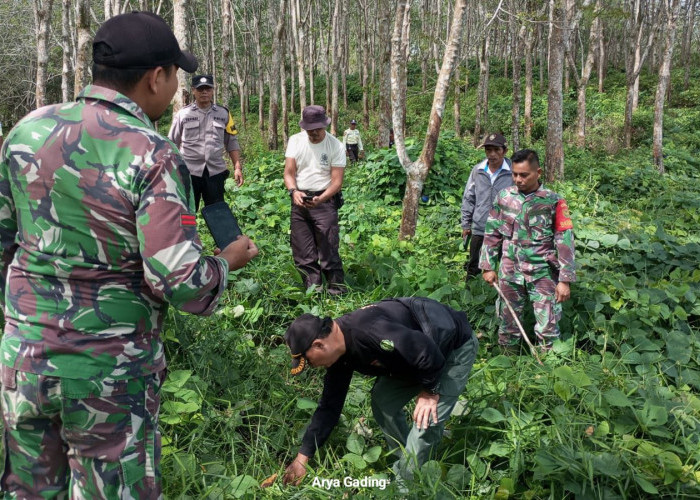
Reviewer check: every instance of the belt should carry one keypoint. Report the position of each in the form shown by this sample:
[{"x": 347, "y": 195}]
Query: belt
[{"x": 313, "y": 193}]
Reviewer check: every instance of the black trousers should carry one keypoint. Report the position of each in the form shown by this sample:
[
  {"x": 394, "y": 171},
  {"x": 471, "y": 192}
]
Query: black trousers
[
  {"x": 209, "y": 188},
  {"x": 353, "y": 152},
  {"x": 472, "y": 265},
  {"x": 315, "y": 238}
]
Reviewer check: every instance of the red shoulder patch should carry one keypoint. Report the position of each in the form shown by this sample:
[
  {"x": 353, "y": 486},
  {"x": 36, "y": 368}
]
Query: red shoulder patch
[
  {"x": 188, "y": 220},
  {"x": 562, "y": 220}
]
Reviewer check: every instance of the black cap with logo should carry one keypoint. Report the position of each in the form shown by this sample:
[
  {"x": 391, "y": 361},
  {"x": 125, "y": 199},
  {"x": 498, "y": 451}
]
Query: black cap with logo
[
  {"x": 202, "y": 81},
  {"x": 494, "y": 140},
  {"x": 139, "y": 40},
  {"x": 301, "y": 334}
]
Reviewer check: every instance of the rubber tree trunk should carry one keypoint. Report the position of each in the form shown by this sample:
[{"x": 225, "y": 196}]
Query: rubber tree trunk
[
  {"x": 672, "y": 12},
  {"x": 554, "y": 161},
  {"x": 42, "y": 20},
  {"x": 416, "y": 172}
]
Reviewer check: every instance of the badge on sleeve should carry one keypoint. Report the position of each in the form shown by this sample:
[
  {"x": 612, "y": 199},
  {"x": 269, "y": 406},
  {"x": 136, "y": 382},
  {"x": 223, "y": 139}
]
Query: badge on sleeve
[
  {"x": 188, "y": 220},
  {"x": 562, "y": 221},
  {"x": 231, "y": 126}
]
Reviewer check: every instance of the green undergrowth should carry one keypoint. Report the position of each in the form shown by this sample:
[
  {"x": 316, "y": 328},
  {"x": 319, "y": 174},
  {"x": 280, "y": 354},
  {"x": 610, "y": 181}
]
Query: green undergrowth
[{"x": 613, "y": 413}]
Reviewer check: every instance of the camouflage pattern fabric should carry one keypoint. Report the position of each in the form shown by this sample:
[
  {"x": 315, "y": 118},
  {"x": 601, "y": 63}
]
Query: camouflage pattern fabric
[
  {"x": 547, "y": 311},
  {"x": 533, "y": 237},
  {"x": 521, "y": 229},
  {"x": 80, "y": 438},
  {"x": 98, "y": 236}
]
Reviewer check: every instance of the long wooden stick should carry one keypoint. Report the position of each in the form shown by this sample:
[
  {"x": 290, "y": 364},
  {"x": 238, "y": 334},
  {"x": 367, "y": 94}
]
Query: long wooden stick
[{"x": 517, "y": 321}]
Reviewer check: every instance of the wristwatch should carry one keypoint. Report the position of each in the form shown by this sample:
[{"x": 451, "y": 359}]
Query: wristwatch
[{"x": 291, "y": 191}]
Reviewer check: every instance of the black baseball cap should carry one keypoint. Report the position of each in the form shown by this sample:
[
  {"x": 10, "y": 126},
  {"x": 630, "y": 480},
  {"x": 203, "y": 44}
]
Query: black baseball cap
[
  {"x": 301, "y": 334},
  {"x": 353, "y": 122},
  {"x": 139, "y": 40},
  {"x": 494, "y": 140},
  {"x": 202, "y": 81}
]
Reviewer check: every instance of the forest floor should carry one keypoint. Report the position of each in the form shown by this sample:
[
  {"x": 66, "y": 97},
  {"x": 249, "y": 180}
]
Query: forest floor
[{"x": 613, "y": 413}]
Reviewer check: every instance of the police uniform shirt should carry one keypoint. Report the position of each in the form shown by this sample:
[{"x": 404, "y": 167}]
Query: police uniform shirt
[{"x": 203, "y": 135}]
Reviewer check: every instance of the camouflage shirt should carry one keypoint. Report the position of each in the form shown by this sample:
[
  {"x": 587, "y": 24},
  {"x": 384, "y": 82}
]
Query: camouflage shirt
[
  {"x": 534, "y": 235},
  {"x": 97, "y": 235}
]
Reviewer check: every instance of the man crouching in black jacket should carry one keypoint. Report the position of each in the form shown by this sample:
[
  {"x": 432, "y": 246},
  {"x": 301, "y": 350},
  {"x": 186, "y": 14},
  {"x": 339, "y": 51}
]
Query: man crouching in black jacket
[{"x": 416, "y": 347}]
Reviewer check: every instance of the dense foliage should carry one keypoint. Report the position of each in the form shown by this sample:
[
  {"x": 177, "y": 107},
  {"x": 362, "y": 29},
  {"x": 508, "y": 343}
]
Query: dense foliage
[{"x": 613, "y": 413}]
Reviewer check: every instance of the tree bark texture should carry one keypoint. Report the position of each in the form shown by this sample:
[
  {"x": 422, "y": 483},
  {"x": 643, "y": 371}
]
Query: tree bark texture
[
  {"x": 42, "y": 23},
  {"x": 554, "y": 161},
  {"x": 83, "y": 46},
  {"x": 672, "y": 8},
  {"x": 416, "y": 172},
  {"x": 66, "y": 47}
]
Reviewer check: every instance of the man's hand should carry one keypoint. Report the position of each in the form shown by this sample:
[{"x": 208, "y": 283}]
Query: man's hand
[
  {"x": 295, "y": 471},
  {"x": 562, "y": 292},
  {"x": 490, "y": 277},
  {"x": 298, "y": 198},
  {"x": 466, "y": 232},
  {"x": 426, "y": 406},
  {"x": 316, "y": 201},
  {"x": 238, "y": 174},
  {"x": 238, "y": 253}
]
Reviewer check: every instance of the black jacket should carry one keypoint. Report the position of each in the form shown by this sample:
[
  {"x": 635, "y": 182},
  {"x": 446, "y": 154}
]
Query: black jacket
[{"x": 407, "y": 338}]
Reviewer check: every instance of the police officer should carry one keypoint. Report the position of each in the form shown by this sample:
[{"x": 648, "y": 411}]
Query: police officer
[
  {"x": 530, "y": 231},
  {"x": 203, "y": 131},
  {"x": 416, "y": 347},
  {"x": 353, "y": 142}
]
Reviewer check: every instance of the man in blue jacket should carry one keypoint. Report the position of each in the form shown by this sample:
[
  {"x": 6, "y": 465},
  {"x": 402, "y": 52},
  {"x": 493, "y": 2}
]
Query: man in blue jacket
[
  {"x": 416, "y": 347},
  {"x": 486, "y": 180}
]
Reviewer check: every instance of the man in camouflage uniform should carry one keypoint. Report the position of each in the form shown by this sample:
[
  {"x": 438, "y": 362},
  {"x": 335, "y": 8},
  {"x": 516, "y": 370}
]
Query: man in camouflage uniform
[
  {"x": 203, "y": 131},
  {"x": 529, "y": 227},
  {"x": 98, "y": 236}
]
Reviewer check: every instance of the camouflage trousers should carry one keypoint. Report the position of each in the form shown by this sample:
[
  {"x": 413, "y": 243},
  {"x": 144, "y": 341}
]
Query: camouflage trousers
[
  {"x": 83, "y": 439},
  {"x": 547, "y": 311}
]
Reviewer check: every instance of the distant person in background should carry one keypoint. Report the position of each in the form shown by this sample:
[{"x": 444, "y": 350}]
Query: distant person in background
[
  {"x": 485, "y": 181},
  {"x": 417, "y": 348},
  {"x": 353, "y": 142},
  {"x": 203, "y": 131},
  {"x": 529, "y": 231},
  {"x": 314, "y": 167},
  {"x": 98, "y": 237}
]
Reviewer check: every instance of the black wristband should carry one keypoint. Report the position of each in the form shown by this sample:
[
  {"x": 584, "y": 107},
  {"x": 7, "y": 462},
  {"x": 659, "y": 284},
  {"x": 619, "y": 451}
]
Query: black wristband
[{"x": 292, "y": 191}]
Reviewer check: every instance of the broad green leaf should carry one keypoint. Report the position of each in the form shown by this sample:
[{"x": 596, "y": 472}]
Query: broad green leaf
[
  {"x": 431, "y": 472},
  {"x": 458, "y": 476},
  {"x": 492, "y": 415},
  {"x": 673, "y": 467},
  {"x": 652, "y": 415},
  {"x": 645, "y": 485},
  {"x": 240, "y": 485},
  {"x": 576, "y": 378},
  {"x": 176, "y": 379},
  {"x": 372, "y": 455},
  {"x": 356, "y": 460},
  {"x": 608, "y": 240},
  {"x": 562, "y": 389},
  {"x": 306, "y": 404},
  {"x": 355, "y": 443},
  {"x": 678, "y": 347},
  {"x": 497, "y": 448},
  {"x": 615, "y": 397}
]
